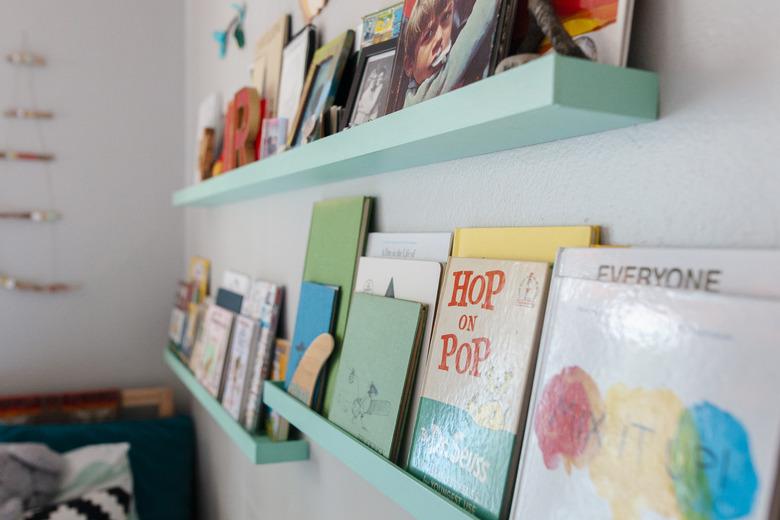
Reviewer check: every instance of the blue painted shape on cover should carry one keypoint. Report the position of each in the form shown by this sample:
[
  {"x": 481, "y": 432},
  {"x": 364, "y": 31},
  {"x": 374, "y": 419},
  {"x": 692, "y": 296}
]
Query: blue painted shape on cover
[
  {"x": 316, "y": 310},
  {"x": 230, "y": 300}
]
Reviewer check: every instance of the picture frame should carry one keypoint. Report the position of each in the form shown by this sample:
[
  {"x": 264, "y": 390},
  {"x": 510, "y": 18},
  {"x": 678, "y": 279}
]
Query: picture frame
[
  {"x": 266, "y": 70},
  {"x": 296, "y": 57},
  {"x": 311, "y": 8},
  {"x": 425, "y": 69},
  {"x": 370, "y": 91},
  {"x": 321, "y": 87}
]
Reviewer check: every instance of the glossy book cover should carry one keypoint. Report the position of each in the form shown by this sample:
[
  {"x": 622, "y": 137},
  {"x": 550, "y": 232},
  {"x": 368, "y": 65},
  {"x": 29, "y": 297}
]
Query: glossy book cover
[
  {"x": 652, "y": 403},
  {"x": 378, "y": 365},
  {"x": 477, "y": 382},
  {"x": 243, "y": 348}
]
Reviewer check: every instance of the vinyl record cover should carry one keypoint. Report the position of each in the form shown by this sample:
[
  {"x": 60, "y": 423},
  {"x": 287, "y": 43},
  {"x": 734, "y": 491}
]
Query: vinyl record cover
[
  {"x": 241, "y": 356},
  {"x": 377, "y": 369},
  {"x": 652, "y": 403},
  {"x": 478, "y": 381}
]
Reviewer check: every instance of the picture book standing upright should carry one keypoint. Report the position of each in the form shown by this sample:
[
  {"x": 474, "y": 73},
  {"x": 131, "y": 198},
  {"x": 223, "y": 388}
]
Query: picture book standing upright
[
  {"x": 208, "y": 357},
  {"x": 378, "y": 365},
  {"x": 263, "y": 304},
  {"x": 411, "y": 280},
  {"x": 241, "y": 354},
  {"x": 650, "y": 401},
  {"x": 336, "y": 241},
  {"x": 478, "y": 381}
]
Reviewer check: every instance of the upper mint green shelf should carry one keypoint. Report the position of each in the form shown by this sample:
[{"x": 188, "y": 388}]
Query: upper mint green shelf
[
  {"x": 259, "y": 448},
  {"x": 548, "y": 99},
  {"x": 411, "y": 494}
]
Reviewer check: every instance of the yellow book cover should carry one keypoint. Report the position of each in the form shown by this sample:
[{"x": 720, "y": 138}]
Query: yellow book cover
[{"x": 532, "y": 244}]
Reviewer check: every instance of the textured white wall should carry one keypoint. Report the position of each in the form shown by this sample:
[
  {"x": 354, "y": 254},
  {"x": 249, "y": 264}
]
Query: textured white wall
[
  {"x": 706, "y": 174},
  {"x": 114, "y": 81}
]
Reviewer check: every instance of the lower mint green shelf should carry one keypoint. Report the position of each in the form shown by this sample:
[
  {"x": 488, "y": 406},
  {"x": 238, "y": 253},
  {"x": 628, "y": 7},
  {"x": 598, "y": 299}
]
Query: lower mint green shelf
[
  {"x": 259, "y": 448},
  {"x": 411, "y": 494}
]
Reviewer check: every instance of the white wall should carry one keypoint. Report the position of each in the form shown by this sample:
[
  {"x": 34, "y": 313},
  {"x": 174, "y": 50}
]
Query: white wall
[
  {"x": 706, "y": 174},
  {"x": 115, "y": 81}
]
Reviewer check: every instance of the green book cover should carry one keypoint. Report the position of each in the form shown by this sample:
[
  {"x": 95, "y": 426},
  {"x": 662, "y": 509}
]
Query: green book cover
[
  {"x": 378, "y": 365},
  {"x": 336, "y": 241}
]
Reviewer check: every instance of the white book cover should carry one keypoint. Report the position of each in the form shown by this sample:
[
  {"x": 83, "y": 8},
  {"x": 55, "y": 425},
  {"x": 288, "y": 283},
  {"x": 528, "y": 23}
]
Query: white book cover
[
  {"x": 411, "y": 280},
  {"x": 729, "y": 271},
  {"x": 434, "y": 247},
  {"x": 267, "y": 304},
  {"x": 652, "y": 403},
  {"x": 243, "y": 348},
  {"x": 208, "y": 358},
  {"x": 177, "y": 326},
  {"x": 236, "y": 282}
]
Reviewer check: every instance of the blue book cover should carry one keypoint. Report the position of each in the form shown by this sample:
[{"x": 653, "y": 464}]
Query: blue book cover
[{"x": 316, "y": 310}]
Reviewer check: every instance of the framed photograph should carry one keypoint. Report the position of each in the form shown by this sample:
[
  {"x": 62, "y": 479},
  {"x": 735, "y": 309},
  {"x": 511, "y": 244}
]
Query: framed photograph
[
  {"x": 274, "y": 137},
  {"x": 322, "y": 84},
  {"x": 295, "y": 64},
  {"x": 371, "y": 84},
  {"x": 444, "y": 45},
  {"x": 267, "y": 65}
]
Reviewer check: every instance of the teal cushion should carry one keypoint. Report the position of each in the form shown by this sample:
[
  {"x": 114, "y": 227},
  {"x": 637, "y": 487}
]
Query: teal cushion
[{"x": 162, "y": 454}]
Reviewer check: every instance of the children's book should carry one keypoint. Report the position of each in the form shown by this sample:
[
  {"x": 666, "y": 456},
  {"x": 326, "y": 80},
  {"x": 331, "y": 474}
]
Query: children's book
[
  {"x": 235, "y": 282},
  {"x": 378, "y": 363},
  {"x": 316, "y": 312},
  {"x": 534, "y": 244},
  {"x": 478, "y": 381},
  {"x": 177, "y": 326},
  {"x": 410, "y": 246},
  {"x": 729, "y": 271},
  {"x": 185, "y": 295},
  {"x": 229, "y": 300},
  {"x": 274, "y": 422},
  {"x": 199, "y": 273},
  {"x": 652, "y": 403},
  {"x": 268, "y": 303},
  {"x": 411, "y": 280},
  {"x": 602, "y": 28},
  {"x": 336, "y": 241},
  {"x": 195, "y": 313},
  {"x": 208, "y": 358},
  {"x": 243, "y": 349}
]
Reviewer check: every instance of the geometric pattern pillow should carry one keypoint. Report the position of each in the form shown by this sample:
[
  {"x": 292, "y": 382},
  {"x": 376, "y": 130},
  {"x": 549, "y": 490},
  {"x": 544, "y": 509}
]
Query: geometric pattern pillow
[{"x": 105, "y": 504}]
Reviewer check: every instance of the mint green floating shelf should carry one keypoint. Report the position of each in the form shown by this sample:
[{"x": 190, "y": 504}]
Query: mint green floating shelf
[
  {"x": 411, "y": 494},
  {"x": 548, "y": 99},
  {"x": 259, "y": 448}
]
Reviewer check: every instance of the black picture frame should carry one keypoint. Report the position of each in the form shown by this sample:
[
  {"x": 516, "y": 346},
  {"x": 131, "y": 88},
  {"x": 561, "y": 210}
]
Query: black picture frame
[{"x": 357, "y": 81}]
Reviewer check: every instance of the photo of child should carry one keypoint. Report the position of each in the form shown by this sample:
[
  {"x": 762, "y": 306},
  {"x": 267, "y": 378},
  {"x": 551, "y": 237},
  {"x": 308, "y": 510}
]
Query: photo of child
[
  {"x": 374, "y": 89},
  {"x": 445, "y": 44},
  {"x": 318, "y": 95}
]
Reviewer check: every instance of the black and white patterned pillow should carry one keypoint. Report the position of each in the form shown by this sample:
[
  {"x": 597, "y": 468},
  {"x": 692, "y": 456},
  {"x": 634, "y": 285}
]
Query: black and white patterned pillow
[{"x": 105, "y": 504}]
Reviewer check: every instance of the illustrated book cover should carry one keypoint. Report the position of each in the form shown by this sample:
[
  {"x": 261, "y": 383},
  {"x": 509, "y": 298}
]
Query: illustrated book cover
[
  {"x": 745, "y": 272},
  {"x": 435, "y": 247},
  {"x": 200, "y": 273},
  {"x": 651, "y": 402},
  {"x": 316, "y": 313},
  {"x": 534, "y": 244},
  {"x": 241, "y": 354},
  {"x": 337, "y": 239},
  {"x": 177, "y": 326},
  {"x": 411, "y": 280},
  {"x": 478, "y": 381},
  {"x": 379, "y": 361},
  {"x": 235, "y": 282},
  {"x": 208, "y": 357},
  {"x": 265, "y": 303}
]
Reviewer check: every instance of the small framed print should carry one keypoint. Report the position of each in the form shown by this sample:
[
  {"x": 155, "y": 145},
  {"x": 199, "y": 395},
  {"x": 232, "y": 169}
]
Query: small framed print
[
  {"x": 295, "y": 65},
  {"x": 319, "y": 92},
  {"x": 274, "y": 137},
  {"x": 267, "y": 65},
  {"x": 371, "y": 84}
]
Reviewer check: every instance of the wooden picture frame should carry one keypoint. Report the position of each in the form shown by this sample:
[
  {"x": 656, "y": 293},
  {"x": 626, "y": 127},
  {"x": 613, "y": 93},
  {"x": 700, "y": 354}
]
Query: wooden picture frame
[
  {"x": 384, "y": 54},
  {"x": 322, "y": 80},
  {"x": 267, "y": 64}
]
